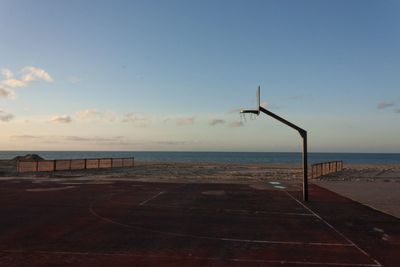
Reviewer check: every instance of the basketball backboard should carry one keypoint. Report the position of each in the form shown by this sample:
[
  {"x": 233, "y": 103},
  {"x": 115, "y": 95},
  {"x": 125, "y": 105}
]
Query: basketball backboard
[{"x": 258, "y": 103}]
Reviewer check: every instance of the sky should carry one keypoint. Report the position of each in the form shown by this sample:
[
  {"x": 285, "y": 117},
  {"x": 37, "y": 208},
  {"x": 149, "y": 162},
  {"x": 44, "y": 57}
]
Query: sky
[{"x": 173, "y": 75}]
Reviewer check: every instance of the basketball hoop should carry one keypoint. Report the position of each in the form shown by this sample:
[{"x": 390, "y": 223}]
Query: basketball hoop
[
  {"x": 253, "y": 113},
  {"x": 302, "y": 132}
]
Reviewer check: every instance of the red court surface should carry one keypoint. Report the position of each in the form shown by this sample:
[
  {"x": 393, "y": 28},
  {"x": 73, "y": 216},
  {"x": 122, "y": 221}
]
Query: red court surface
[{"x": 164, "y": 224}]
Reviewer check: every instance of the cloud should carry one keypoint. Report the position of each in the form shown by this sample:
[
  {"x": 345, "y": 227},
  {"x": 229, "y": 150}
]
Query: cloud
[
  {"x": 135, "y": 119},
  {"x": 25, "y": 137},
  {"x": 34, "y": 74},
  {"x": 87, "y": 114},
  {"x": 216, "y": 122},
  {"x": 384, "y": 104},
  {"x": 185, "y": 121},
  {"x": 28, "y": 75},
  {"x": 92, "y": 139},
  {"x": 170, "y": 143},
  {"x": 236, "y": 124},
  {"x": 397, "y": 110},
  {"x": 14, "y": 83},
  {"x": 6, "y": 73},
  {"x": 5, "y": 93},
  {"x": 75, "y": 140},
  {"x": 5, "y": 117},
  {"x": 92, "y": 114},
  {"x": 61, "y": 119}
]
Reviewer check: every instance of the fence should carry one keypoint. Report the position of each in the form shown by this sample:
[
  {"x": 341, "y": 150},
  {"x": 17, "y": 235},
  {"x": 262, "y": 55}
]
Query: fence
[
  {"x": 320, "y": 169},
  {"x": 73, "y": 164}
]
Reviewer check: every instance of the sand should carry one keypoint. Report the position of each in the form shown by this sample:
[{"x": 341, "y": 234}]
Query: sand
[{"x": 375, "y": 185}]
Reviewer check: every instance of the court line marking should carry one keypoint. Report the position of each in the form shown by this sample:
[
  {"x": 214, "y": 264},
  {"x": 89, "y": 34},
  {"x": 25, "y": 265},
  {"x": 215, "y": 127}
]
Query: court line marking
[
  {"x": 94, "y": 213},
  {"x": 335, "y": 230},
  {"x": 279, "y": 187},
  {"x": 274, "y": 183},
  {"x": 150, "y": 199},
  {"x": 229, "y": 210},
  {"x": 186, "y": 258}
]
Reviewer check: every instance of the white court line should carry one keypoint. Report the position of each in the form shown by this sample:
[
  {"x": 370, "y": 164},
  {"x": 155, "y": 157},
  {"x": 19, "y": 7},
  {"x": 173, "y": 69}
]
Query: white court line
[
  {"x": 275, "y": 183},
  {"x": 334, "y": 229},
  {"x": 185, "y": 258},
  {"x": 279, "y": 187},
  {"x": 150, "y": 199},
  {"x": 257, "y": 212},
  {"x": 91, "y": 210}
]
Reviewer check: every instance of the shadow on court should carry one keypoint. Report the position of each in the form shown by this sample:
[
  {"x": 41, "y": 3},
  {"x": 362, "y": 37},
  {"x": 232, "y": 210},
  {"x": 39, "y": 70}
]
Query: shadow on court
[{"x": 164, "y": 224}]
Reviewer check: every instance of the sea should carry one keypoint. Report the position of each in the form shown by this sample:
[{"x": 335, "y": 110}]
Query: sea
[{"x": 217, "y": 157}]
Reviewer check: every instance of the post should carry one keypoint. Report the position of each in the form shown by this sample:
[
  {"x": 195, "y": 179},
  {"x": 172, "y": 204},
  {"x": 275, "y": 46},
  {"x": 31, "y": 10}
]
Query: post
[
  {"x": 305, "y": 167},
  {"x": 303, "y": 134}
]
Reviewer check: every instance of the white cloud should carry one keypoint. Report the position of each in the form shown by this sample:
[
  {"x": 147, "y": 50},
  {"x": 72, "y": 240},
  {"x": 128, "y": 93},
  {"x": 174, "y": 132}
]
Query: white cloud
[
  {"x": 5, "y": 116},
  {"x": 110, "y": 116},
  {"x": 29, "y": 75},
  {"x": 34, "y": 74},
  {"x": 92, "y": 138},
  {"x": 93, "y": 115},
  {"x": 87, "y": 114},
  {"x": 14, "y": 83},
  {"x": 185, "y": 121},
  {"x": 6, "y": 73},
  {"x": 135, "y": 119},
  {"x": 61, "y": 119}
]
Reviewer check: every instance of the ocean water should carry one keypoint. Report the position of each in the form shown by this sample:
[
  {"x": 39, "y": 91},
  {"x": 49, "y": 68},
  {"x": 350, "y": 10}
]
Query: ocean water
[{"x": 215, "y": 157}]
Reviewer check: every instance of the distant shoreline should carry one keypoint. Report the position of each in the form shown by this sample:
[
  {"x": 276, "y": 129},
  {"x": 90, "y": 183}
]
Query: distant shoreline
[{"x": 217, "y": 157}]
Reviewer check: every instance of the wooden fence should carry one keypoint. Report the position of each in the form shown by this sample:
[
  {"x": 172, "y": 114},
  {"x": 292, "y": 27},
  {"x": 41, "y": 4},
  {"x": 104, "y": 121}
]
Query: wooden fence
[
  {"x": 320, "y": 169},
  {"x": 73, "y": 164}
]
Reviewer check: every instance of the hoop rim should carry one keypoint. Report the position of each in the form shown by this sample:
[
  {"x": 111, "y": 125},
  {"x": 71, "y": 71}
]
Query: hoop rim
[{"x": 251, "y": 111}]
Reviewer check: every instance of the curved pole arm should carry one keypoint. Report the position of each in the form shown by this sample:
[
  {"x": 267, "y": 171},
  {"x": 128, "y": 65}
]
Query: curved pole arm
[
  {"x": 301, "y": 131},
  {"x": 303, "y": 134}
]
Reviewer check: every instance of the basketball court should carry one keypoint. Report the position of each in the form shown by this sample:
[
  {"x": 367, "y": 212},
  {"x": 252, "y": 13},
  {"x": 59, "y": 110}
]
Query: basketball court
[{"x": 196, "y": 224}]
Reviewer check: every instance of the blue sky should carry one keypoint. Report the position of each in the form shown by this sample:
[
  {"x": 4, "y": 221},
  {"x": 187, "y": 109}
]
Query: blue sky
[{"x": 171, "y": 75}]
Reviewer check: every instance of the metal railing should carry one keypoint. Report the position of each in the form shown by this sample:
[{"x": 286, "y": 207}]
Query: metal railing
[
  {"x": 73, "y": 164},
  {"x": 323, "y": 168}
]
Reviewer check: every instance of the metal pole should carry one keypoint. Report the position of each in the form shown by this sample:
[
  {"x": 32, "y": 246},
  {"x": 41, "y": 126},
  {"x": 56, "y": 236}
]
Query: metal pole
[
  {"x": 303, "y": 134},
  {"x": 305, "y": 167}
]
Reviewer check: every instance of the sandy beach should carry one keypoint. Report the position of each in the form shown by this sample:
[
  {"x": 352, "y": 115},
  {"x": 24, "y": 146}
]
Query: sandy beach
[{"x": 374, "y": 185}]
